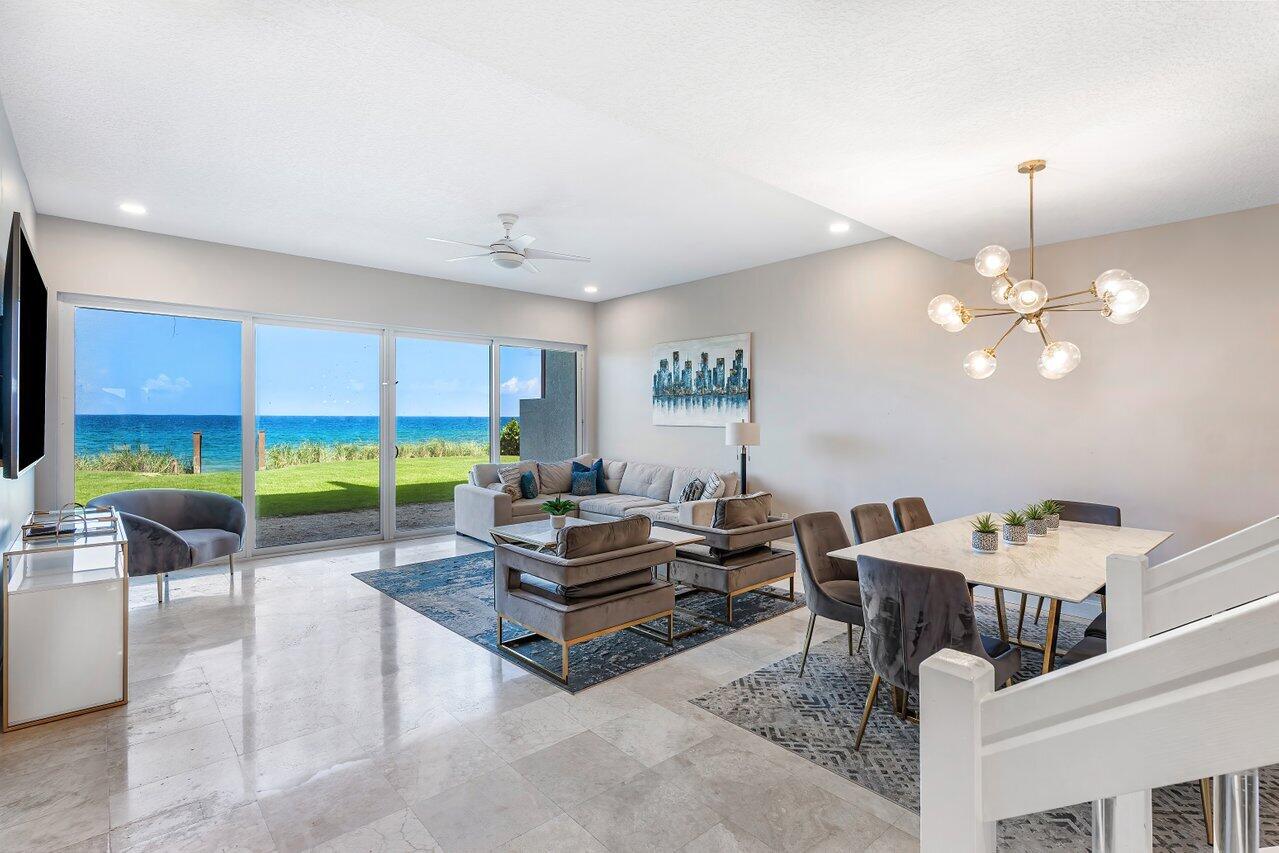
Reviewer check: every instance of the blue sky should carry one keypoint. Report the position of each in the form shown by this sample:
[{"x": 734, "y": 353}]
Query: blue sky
[{"x": 129, "y": 363}]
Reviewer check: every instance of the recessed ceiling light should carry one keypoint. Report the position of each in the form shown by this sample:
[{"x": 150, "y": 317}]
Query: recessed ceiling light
[
  {"x": 590, "y": 288},
  {"x": 839, "y": 227},
  {"x": 132, "y": 207}
]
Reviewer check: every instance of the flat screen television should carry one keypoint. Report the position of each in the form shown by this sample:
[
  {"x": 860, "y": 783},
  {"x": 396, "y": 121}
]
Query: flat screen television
[{"x": 23, "y": 337}]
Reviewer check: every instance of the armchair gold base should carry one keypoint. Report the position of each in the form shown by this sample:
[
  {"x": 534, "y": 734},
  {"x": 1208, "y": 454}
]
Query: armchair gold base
[
  {"x": 638, "y": 626},
  {"x": 761, "y": 588}
]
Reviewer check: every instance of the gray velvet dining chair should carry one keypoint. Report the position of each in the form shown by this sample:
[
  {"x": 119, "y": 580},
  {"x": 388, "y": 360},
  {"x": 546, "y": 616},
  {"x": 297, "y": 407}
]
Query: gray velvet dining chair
[
  {"x": 871, "y": 522},
  {"x": 172, "y": 529},
  {"x": 911, "y": 514},
  {"x": 830, "y": 583},
  {"x": 912, "y": 612}
]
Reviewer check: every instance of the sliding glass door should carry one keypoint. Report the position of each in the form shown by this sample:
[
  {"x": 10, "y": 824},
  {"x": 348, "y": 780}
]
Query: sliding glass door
[
  {"x": 157, "y": 403},
  {"x": 441, "y": 425},
  {"x": 318, "y": 434}
]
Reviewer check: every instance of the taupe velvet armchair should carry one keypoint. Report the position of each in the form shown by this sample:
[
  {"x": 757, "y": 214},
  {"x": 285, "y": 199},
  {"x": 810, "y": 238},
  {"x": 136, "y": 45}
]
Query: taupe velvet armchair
[{"x": 172, "y": 529}]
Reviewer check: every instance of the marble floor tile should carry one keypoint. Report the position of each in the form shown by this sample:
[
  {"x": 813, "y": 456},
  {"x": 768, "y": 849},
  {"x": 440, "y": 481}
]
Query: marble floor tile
[
  {"x": 328, "y": 805},
  {"x": 399, "y": 832},
  {"x": 242, "y": 829},
  {"x": 36, "y": 790},
  {"x": 59, "y": 829},
  {"x": 427, "y": 768},
  {"x": 795, "y": 815},
  {"x": 486, "y": 812},
  {"x": 195, "y": 794},
  {"x": 526, "y": 729},
  {"x": 577, "y": 769},
  {"x": 560, "y": 834},
  {"x": 159, "y": 717},
  {"x": 894, "y": 841},
  {"x": 96, "y": 844},
  {"x": 154, "y": 759},
  {"x": 644, "y": 813},
  {"x": 726, "y": 838},
  {"x": 652, "y": 734}
]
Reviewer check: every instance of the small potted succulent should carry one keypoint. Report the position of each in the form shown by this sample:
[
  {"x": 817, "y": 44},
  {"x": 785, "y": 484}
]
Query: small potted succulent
[
  {"x": 985, "y": 534},
  {"x": 558, "y": 509},
  {"x": 1052, "y": 513},
  {"x": 1036, "y": 522},
  {"x": 1014, "y": 528}
]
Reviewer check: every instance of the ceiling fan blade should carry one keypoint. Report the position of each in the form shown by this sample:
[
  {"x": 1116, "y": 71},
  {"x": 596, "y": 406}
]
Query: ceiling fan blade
[
  {"x": 553, "y": 256},
  {"x": 522, "y": 243},
  {"x": 454, "y": 242},
  {"x": 465, "y": 258},
  {"x": 528, "y": 265}
]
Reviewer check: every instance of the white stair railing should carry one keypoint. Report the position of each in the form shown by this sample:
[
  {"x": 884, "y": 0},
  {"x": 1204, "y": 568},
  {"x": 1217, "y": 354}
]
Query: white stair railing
[{"x": 1194, "y": 701}]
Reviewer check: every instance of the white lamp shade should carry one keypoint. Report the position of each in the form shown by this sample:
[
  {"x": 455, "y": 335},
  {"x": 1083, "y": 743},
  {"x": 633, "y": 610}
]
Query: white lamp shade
[{"x": 741, "y": 433}]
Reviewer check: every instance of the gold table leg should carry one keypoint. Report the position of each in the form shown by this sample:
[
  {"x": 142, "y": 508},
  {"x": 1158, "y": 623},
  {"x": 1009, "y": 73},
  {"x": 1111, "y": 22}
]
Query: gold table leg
[
  {"x": 1001, "y": 614},
  {"x": 1050, "y": 637}
]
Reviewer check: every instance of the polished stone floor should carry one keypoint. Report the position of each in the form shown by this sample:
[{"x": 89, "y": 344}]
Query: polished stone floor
[{"x": 296, "y": 708}]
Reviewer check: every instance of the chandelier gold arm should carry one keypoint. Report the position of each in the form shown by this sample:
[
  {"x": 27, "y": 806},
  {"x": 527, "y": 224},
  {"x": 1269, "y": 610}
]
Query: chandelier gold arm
[
  {"x": 1071, "y": 305},
  {"x": 1090, "y": 289},
  {"x": 991, "y": 350}
]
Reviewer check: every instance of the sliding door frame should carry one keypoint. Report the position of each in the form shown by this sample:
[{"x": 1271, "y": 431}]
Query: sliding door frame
[{"x": 64, "y": 463}]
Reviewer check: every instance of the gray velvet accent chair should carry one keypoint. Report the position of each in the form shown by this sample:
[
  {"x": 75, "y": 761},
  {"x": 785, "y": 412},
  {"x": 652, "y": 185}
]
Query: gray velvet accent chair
[
  {"x": 174, "y": 529},
  {"x": 911, "y": 514},
  {"x": 912, "y": 612},
  {"x": 830, "y": 584},
  {"x": 598, "y": 580},
  {"x": 871, "y": 522}
]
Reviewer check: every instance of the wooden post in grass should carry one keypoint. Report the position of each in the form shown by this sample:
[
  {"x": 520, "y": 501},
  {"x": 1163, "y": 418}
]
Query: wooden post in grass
[
  {"x": 261, "y": 450},
  {"x": 197, "y": 451}
]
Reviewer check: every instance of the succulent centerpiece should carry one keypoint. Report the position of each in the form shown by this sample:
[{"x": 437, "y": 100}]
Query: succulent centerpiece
[
  {"x": 1014, "y": 528},
  {"x": 1036, "y": 520},
  {"x": 1052, "y": 513},
  {"x": 985, "y": 534}
]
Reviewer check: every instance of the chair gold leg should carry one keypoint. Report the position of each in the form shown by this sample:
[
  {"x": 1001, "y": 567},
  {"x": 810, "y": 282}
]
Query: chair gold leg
[
  {"x": 499, "y": 630},
  {"x": 1039, "y": 608},
  {"x": 792, "y": 589},
  {"x": 1050, "y": 634},
  {"x": 1001, "y": 614},
  {"x": 564, "y": 661},
  {"x": 850, "y": 639},
  {"x": 1205, "y": 794},
  {"x": 870, "y": 703},
  {"x": 808, "y": 639},
  {"x": 159, "y": 589},
  {"x": 860, "y": 638},
  {"x": 1021, "y": 617},
  {"x": 730, "y": 610}
]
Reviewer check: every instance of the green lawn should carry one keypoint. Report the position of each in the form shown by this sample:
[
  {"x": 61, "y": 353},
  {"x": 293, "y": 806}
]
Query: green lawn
[{"x": 303, "y": 489}]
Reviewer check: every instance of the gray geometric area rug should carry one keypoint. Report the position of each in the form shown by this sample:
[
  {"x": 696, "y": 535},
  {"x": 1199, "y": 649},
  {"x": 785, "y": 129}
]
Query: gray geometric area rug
[
  {"x": 816, "y": 718},
  {"x": 457, "y": 592}
]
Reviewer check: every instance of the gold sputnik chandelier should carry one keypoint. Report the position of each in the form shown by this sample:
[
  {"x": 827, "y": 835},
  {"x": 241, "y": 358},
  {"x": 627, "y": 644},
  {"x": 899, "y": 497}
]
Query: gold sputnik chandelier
[{"x": 1114, "y": 294}]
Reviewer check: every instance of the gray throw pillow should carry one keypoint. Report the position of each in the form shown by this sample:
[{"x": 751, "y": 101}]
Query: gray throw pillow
[
  {"x": 742, "y": 511},
  {"x": 714, "y": 486},
  {"x": 587, "y": 540},
  {"x": 554, "y": 476},
  {"x": 692, "y": 491}
]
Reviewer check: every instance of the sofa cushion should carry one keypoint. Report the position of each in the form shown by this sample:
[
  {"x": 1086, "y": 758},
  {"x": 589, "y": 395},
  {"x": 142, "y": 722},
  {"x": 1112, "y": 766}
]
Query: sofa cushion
[
  {"x": 615, "y": 505},
  {"x": 554, "y": 476},
  {"x": 209, "y": 543},
  {"x": 484, "y": 474},
  {"x": 849, "y": 592},
  {"x": 528, "y": 506},
  {"x": 587, "y": 540},
  {"x": 648, "y": 479},
  {"x": 584, "y": 592},
  {"x": 613, "y": 471},
  {"x": 661, "y": 512},
  {"x": 742, "y": 510}
]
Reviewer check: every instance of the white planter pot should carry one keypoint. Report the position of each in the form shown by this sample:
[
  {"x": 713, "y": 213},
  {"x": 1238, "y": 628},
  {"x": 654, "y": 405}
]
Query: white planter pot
[{"x": 558, "y": 521}]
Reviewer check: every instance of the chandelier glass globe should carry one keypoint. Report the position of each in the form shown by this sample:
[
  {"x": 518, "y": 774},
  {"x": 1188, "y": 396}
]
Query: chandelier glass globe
[
  {"x": 955, "y": 324},
  {"x": 980, "y": 363},
  {"x": 1032, "y": 326},
  {"x": 999, "y": 291},
  {"x": 1120, "y": 319},
  {"x": 1046, "y": 373},
  {"x": 1109, "y": 280},
  {"x": 1128, "y": 297},
  {"x": 1027, "y": 296},
  {"x": 944, "y": 309},
  {"x": 992, "y": 261},
  {"x": 1059, "y": 357}
]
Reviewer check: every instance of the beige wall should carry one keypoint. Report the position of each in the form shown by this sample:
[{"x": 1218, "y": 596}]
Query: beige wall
[
  {"x": 17, "y": 497},
  {"x": 860, "y": 398},
  {"x": 100, "y": 260}
]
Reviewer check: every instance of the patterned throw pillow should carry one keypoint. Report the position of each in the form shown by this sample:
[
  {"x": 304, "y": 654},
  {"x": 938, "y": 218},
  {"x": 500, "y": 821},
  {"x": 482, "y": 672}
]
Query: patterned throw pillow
[
  {"x": 692, "y": 491},
  {"x": 513, "y": 492},
  {"x": 584, "y": 483},
  {"x": 598, "y": 469},
  {"x": 510, "y": 475},
  {"x": 714, "y": 486},
  {"x": 528, "y": 485}
]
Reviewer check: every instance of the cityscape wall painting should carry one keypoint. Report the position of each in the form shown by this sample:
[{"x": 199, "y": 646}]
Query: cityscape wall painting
[{"x": 702, "y": 382}]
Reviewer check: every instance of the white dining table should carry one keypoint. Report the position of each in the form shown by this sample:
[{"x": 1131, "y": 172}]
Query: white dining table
[{"x": 1069, "y": 564}]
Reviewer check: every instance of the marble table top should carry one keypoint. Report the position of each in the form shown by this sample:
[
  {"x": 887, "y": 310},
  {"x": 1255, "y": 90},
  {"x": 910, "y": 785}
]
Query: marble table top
[{"x": 1068, "y": 564}]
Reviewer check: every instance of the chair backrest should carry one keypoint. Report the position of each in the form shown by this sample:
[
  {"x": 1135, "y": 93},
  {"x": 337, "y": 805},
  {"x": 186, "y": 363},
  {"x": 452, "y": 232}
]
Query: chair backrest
[
  {"x": 912, "y": 612},
  {"x": 1089, "y": 513},
  {"x": 871, "y": 522},
  {"x": 179, "y": 509},
  {"x": 819, "y": 533},
  {"x": 911, "y": 514}
]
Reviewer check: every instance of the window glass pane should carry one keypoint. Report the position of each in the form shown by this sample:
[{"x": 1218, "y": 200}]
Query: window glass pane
[
  {"x": 441, "y": 426},
  {"x": 538, "y": 403},
  {"x": 318, "y": 435},
  {"x": 157, "y": 403}
]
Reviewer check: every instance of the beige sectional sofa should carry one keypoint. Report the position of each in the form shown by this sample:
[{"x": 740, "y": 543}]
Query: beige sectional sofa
[{"x": 644, "y": 488}]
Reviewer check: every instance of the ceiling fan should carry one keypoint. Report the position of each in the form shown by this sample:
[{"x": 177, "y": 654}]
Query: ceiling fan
[{"x": 509, "y": 252}]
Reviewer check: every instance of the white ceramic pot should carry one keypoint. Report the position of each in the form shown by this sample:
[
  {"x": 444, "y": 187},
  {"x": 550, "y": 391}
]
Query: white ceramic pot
[{"x": 558, "y": 521}]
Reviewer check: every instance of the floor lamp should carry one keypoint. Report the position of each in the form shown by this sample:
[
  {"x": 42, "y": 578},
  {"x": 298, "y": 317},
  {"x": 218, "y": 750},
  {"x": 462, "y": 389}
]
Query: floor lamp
[{"x": 742, "y": 434}]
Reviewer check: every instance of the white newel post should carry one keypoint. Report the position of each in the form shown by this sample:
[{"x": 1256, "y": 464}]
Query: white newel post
[
  {"x": 1129, "y": 814},
  {"x": 952, "y": 686}
]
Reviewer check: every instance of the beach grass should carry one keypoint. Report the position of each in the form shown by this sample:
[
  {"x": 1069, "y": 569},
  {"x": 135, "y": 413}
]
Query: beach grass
[{"x": 304, "y": 489}]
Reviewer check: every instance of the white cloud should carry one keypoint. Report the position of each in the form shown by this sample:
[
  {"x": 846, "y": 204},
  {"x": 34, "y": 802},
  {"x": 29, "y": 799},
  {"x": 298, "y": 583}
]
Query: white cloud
[
  {"x": 524, "y": 386},
  {"x": 114, "y": 392},
  {"x": 354, "y": 385},
  {"x": 164, "y": 384}
]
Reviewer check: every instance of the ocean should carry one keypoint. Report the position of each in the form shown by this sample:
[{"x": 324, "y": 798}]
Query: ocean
[{"x": 221, "y": 433}]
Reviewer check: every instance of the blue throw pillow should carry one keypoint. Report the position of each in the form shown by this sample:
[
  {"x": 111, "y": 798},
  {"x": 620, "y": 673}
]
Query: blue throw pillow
[
  {"x": 598, "y": 469},
  {"x": 528, "y": 484},
  {"x": 584, "y": 482}
]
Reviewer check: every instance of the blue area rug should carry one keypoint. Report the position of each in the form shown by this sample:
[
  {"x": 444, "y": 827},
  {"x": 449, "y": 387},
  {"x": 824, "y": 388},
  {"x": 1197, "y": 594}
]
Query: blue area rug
[{"x": 457, "y": 593}]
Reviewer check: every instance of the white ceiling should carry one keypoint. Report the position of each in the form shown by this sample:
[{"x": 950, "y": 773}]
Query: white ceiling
[{"x": 667, "y": 140}]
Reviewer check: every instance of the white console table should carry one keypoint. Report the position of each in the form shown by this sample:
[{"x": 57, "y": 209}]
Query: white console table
[{"x": 66, "y": 626}]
